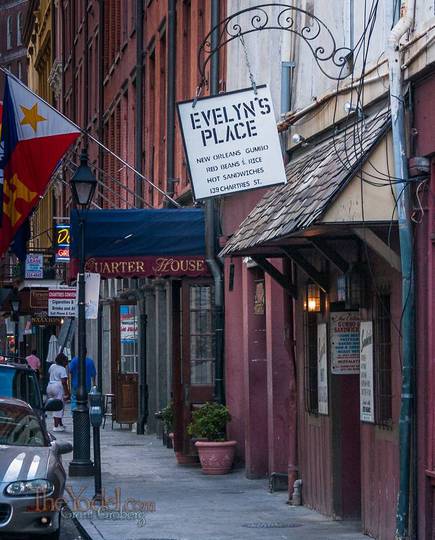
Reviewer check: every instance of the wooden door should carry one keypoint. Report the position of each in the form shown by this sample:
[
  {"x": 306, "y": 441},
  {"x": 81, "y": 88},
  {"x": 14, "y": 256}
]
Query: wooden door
[
  {"x": 194, "y": 354},
  {"x": 125, "y": 335}
]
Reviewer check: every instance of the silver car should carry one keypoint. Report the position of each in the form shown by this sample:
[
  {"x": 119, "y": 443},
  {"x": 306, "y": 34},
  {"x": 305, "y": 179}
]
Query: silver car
[{"x": 32, "y": 477}]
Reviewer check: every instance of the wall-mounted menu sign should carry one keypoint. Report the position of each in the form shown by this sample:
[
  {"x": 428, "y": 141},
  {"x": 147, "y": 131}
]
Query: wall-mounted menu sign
[
  {"x": 345, "y": 342},
  {"x": 322, "y": 368},
  {"x": 366, "y": 384},
  {"x": 62, "y": 242}
]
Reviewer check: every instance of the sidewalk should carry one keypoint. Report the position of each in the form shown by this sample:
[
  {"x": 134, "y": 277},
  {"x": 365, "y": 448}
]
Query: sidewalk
[{"x": 188, "y": 504}]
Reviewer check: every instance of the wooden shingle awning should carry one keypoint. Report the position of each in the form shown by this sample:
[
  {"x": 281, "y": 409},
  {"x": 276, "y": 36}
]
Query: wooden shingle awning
[{"x": 342, "y": 181}]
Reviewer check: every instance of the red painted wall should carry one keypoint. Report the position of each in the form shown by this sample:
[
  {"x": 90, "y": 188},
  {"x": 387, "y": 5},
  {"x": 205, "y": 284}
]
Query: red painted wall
[
  {"x": 325, "y": 454},
  {"x": 424, "y": 145}
]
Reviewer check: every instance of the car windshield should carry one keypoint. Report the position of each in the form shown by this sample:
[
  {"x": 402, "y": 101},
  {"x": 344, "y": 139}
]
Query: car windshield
[
  {"x": 20, "y": 384},
  {"x": 19, "y": 427}
]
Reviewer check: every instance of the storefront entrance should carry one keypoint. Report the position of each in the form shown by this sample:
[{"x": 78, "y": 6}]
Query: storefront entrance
[
  {"x": 193, "y": 354},
  {"x": 124, "y": 362}
]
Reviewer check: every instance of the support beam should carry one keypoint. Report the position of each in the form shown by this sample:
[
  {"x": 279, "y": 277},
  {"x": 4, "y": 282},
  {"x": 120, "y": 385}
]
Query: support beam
[
  {"x": 379, "y": 247},
  {"x": 275, "y": 274},
  {"x": 330, "y": 254},
  {"x": 307, "y": 267}
]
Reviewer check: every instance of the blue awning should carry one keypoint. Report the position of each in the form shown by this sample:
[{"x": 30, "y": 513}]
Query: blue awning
[{"x": 130, "y": 233}]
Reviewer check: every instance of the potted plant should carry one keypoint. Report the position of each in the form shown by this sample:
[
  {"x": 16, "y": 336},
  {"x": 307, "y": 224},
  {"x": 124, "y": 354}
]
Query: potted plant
[
  {"x": 209, "y": 424},
  {"x": 167, "y": 416}
]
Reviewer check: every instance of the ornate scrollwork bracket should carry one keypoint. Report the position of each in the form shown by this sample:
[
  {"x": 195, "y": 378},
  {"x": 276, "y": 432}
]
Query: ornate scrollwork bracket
[{"x": 315, "y": 33}]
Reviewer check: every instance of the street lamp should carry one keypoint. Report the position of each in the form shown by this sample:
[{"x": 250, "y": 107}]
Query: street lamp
[
  {"x": 15, "y": 305},
  {"x": 83, "y": 185}
]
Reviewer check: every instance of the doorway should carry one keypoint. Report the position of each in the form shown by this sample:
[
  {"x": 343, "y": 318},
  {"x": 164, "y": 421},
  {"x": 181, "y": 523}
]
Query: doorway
[
  {"x": 345, "y": 406},
  {"x": 193, "y": 354},
  {"x": 125, "y": 357}
]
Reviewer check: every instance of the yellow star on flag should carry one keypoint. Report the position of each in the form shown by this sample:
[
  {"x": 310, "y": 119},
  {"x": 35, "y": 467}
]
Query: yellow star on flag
[{"x": 31, "y": 116}]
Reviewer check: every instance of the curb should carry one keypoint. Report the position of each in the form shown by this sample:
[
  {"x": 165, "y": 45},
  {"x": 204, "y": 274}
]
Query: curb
[{"x": 83, "y": 532}]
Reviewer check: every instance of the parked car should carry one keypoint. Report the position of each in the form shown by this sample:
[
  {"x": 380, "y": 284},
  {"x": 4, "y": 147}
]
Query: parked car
[
  {"x": 32, "y": 477},
  {"x": 18, "y": 380}
]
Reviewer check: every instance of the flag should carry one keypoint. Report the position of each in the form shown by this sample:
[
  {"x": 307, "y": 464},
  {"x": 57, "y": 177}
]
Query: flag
[
  {"x": 34, "y": 138},
  {"x": 1, "y": 162}
]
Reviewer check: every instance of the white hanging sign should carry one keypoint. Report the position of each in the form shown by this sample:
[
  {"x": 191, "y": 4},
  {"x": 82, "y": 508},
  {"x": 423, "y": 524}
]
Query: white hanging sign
[
  {"x": 62, "y": 302},
  {"x": 322, "y": 369},
  {"x": 231, "y": 142},
  {"x": 367, "y": 389},
  {"x": 92, "y": 295}
]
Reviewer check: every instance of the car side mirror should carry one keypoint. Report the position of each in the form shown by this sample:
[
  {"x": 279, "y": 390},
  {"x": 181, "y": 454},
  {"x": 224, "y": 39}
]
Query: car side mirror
[
  {"x": 63, "y": 447},
  {"x": 53, "y": 405}
]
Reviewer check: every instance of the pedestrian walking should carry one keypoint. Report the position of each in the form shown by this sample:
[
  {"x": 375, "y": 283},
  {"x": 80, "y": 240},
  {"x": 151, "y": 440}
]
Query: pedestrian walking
[
  {"x": 57, "y": 388},
  {"x": 74, "y": 372},
  {"x": 34, "y": 362}
]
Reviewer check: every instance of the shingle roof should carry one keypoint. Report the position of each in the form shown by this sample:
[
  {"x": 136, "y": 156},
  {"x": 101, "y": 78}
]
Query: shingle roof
[{"x": 314, "y": 180}]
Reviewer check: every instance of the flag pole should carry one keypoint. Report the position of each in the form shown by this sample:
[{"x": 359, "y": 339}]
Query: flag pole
[{"x": 92, "y": 138}]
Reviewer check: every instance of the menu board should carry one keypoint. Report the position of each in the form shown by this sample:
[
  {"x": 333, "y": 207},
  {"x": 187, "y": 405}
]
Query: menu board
[{"x": 345, "y": 342}]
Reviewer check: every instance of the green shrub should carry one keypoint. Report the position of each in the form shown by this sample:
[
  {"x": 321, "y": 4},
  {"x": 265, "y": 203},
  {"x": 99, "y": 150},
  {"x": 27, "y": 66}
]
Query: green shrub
[
  {"x": 168, "y": 417},
  {"x": 209, "y": 422}
]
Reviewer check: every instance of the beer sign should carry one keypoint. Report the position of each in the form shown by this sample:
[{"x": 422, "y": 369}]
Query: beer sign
[{"x": 62, "y": 243}]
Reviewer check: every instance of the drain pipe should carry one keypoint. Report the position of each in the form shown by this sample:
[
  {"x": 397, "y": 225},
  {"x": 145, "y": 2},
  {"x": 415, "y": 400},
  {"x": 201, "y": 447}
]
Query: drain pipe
[
  {"x": 403, "y": 196},
  {"x": 211, "y": 233}
]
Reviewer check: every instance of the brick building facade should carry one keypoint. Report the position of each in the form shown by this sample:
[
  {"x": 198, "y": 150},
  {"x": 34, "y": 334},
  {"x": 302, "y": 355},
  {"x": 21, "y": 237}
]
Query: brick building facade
[{"x": 13, "y": 52}]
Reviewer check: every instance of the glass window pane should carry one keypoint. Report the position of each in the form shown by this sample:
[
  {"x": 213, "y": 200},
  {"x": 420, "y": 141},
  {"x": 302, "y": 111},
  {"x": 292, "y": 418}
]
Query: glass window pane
[
  {"x": 202, "y": 339},
  {"x": 129, "y": 338}
]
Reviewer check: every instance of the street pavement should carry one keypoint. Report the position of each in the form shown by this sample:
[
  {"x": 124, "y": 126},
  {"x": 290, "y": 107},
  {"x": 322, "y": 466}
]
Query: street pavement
[{"x": 150, "y": 497}]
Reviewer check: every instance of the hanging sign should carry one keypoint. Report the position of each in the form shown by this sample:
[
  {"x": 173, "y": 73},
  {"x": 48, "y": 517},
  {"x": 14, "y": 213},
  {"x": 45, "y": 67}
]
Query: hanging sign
[
  {"x": 92, "y": 294},
  {"x": 34, "y": 266},
  {"x": 345, "y": 343},
  {"x": 62, "y": 302},
  {"x": 231, "y": 142},
  {"x": 366, "y": 384},
  {"x": 322, "y": 369}
]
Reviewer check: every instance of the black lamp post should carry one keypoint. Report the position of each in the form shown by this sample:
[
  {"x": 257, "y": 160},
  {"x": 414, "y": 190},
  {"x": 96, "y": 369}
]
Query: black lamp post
[
  {"x": 83, "y": 185},
  {"x": 15, "y": 305}
]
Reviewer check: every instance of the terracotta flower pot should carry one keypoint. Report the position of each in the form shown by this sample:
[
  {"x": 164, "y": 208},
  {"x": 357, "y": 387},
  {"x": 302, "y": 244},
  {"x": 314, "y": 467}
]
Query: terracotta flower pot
[{"x": 216, "y": 457}]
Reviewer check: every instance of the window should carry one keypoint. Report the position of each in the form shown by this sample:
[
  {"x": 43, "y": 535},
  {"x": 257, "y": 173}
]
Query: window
[
  {"x": 19, "y": 71},
  {"x": 382, "y": 350},
  {"x": 19, "y": 27},
  {"x": 201, "y": 335},
  {"x": 9, "y": 32},
  {"x": 310, "y": 367},
  {"x": 129, "y": 338}
]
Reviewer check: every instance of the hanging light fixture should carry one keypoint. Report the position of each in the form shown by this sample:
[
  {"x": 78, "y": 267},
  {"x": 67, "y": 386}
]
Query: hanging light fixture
[
  {"x": 356, "y": 287},
  {"x": 83, "y": 183},
  {"x": 313, "y": 301}
]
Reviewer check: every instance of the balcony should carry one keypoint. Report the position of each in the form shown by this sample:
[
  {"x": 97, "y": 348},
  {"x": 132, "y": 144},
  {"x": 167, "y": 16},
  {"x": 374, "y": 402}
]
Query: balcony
[{"x": 12, "y": 272}]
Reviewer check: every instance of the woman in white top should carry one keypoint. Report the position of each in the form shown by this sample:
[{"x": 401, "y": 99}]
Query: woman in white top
[{"x": 57, "y": 387}]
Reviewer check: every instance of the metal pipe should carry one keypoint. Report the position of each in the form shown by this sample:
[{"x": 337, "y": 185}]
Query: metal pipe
[
  {"x": 170, "y": 107},
  {"x": 211, "y": 233},
  {"x": 85, "y": 76},
  {"x": 403, "y": 196},
  {"x": 139, "y": 102},
  {"x": 101, "y": 26}
]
